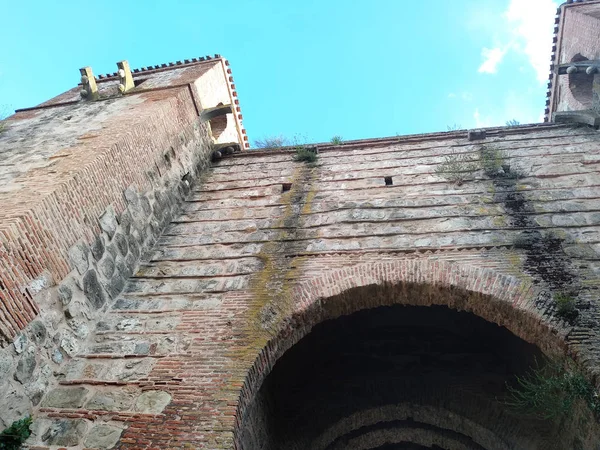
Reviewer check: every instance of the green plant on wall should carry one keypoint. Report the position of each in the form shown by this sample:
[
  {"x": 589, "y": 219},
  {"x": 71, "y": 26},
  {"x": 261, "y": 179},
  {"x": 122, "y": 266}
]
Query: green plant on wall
[
  {"x": 337, "y": 140},
  {"x": 304, "y": 154},
  {"x": 457, "y": 167},
  {"x": 550, "y": 392},
  {"x": 14, "y": 436},
  {"x": 566, "y": 308},
  {"x": 493, "y": 161}
]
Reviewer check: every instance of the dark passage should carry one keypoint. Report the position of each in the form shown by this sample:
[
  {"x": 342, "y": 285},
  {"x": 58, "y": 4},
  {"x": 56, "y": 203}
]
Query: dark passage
[{"x": 398, "y": 377}]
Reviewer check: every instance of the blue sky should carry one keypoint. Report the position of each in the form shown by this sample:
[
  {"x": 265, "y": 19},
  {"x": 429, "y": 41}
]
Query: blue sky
[{"x": 311, "y": 68}]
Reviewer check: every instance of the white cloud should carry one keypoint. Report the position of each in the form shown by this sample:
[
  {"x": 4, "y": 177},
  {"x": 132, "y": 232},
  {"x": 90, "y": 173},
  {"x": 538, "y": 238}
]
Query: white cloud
[
  {"x": 482, "y": 122},
  {"x": 491, "y": 58},
  {"x": 532, "y": 23},
  {"x": 451, "y": 95},
  {"x": 526, "y": 29}
]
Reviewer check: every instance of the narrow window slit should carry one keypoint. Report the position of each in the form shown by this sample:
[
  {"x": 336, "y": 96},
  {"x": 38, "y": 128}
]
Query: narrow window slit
[
  {"x": 286, "y": 187},
  {"x": 388, "y": 181}
]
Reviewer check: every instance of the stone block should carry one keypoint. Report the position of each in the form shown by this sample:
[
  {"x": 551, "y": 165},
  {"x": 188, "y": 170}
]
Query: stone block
[
  {"x": 121, "y": 243},
  {"x": 37, "y": 332},
  {"x": 115, "y": 285},
  {"x": 78, "y": 255},
  {"x": 19, "y": 343},
  {"x": 152, "y": 402},
  {"x": 15, "y": 406},
  {"x": 93, "y": 290},
  {"x": 129, "y": 324},
  {"x": 145, "y": 204},
  {"x": 26, "y": 366},
  {"x": 134, "y": 247},
  {"x": 111, "y": 401},
  {"x": 64, "y": 432},
  {"x": 69, "y": 343},
  {"x": 6, "y": 365},
  {"x": 57, "y": 356},
  {"x": 65, "y": 293},
  {"x": 106, "y": 266},
  {"x": 125, "y": 221},
  {"x": 131, "y": 195},
  {"x": 130, "y": 264},
  {"x": 66, "y": 397},
  {"x": 123, "y": 268},
  {"x": 103, "y": 437},
  {"x": 111, "y": 249},
  {"x": 97, "y": 248},
  {"x": 108, "y": 222}
]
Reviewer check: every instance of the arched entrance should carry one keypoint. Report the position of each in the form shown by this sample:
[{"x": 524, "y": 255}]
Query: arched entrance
[{"x": 406, "y": 365}]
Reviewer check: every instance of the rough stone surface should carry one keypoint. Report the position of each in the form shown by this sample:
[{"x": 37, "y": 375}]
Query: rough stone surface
[
  {"x": 103, "y": 437},
  {"x": 79, "y": 257},
  {"x": 15, "y": 406},
  {"x": 106, "y": 266},
  {"x": 111, "y": 401},
  {"x": 65, "y": 294},
  {"x": 64, "y": 432},
  {"x": 122, "y": 245},
  {"x": 108, "y": 221},
  {"x": 93, "y": 289},
  {"x": 26, "y": 365},
  {"x": 152, "y": 402},
  {"x": 37, "y": 332},
  {"x": 97, "y": 248},
  {"x": 6, "y": 365},
  {"x": 66, "y": 397},
  {"x": 57, "y": 356},
  {"x": 20, "y": 343},
  {"x": 69, "y": 343}
]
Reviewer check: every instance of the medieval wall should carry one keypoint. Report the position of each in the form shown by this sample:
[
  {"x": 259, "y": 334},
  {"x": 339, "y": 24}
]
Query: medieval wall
[
  {"x": 267, "y": 247},
  {"x": 86, "y": 188}
]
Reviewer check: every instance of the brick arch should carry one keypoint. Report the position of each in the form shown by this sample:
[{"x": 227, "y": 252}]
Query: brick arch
[
  {"x": 433, "y": 415},
  {"x": 498, "y": 298}
]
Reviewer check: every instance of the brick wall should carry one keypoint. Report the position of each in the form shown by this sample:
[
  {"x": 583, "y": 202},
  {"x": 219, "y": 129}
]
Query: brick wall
[
  {"x": 248, "y": 268},
  {"x": 579, "y": 34}
]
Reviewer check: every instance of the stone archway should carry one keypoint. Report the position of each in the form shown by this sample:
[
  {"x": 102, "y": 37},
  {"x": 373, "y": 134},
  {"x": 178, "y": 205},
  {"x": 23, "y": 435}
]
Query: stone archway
[{"x": 325, "y": 305}]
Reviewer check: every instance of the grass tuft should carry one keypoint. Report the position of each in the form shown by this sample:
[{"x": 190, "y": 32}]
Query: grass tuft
[{"x": 549, "y": 392}]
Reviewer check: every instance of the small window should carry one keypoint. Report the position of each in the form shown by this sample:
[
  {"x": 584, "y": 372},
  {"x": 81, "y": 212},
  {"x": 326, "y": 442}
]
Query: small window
[{"x": 388, "y": 181}]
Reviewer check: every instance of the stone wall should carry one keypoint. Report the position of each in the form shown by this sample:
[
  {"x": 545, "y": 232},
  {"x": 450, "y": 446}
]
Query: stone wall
[
  {"x": 105, "y": 179},
  {"x": 267, "y": 248}
]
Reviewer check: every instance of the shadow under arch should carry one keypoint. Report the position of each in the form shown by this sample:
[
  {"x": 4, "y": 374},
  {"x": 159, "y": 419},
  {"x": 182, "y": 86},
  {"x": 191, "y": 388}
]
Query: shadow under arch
[{"x": 496, "y": 298}]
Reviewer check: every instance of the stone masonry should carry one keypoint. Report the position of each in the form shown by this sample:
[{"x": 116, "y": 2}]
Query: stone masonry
[
  {"x": 86, "y": 189},
  {"x": 161, "y": 288},
  {"x": 245, "y": 270}
]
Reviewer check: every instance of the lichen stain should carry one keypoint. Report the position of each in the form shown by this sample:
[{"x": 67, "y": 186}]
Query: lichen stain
[{"x": 271, "y": 288}]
